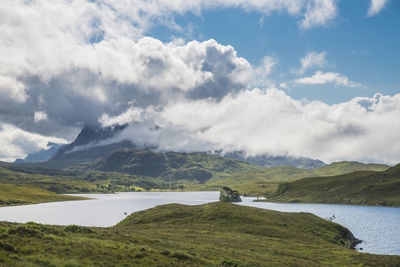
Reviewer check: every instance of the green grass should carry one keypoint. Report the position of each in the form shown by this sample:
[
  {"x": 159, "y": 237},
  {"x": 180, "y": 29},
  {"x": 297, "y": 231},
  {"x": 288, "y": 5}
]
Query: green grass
[
  {"x": 11, "y": 194},
  {"x": 379, "y": 188},
  {"x": 263, "y": 181},
  {"x": 216, "y": 234}
]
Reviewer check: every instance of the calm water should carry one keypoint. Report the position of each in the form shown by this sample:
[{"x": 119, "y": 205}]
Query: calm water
[{"x": 378, "y": 227}]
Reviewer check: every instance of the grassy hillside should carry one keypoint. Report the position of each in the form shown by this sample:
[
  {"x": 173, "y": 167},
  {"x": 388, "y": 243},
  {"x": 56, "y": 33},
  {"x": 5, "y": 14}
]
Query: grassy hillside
[
  {"x": 170, "y": 166},
  {"x": 217, "y": 234},
  {"x": 11, "y": 194},
  {"x": 359, "y": 188},
  {"x": 60, "y": 181},
  {"x": 266, "y": 180}
]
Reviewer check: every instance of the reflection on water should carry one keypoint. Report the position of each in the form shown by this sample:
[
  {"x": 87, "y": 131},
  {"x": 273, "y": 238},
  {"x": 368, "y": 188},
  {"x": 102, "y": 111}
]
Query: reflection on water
[{"x": 378, "y": 227}]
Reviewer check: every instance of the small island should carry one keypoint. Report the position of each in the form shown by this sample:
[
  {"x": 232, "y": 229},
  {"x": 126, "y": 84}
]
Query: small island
[{"x": 228, "y": 195}]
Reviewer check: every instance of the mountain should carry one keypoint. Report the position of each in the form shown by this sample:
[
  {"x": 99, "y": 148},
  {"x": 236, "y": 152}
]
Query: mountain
[
  {"x": 169, "y": 166},
  {"x": 274, "y": 161},
  {"x": 381, "y": 188},
  {"x": 89, "y": 138},
  {"x": 42, "y": 155},
  {"x": 89, "y": 146}
]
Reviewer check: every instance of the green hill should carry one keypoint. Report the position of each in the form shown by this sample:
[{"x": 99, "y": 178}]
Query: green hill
[
  {"x": 380, "y": 188},
  {"x": 216, "y": 234},
  {"x": 11, "y": 194},
  {"x": 170, "y": 166},
  {"x": 60, "y": 181},
  {"x": 266, "y": 180}
]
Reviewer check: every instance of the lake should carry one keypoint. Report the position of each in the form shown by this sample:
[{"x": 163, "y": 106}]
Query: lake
[{"x": 378, "y": 227}]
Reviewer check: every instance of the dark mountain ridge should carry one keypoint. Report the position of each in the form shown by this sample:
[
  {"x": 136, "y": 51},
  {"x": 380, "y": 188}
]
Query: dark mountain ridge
[{"x": 42, "y": 155}]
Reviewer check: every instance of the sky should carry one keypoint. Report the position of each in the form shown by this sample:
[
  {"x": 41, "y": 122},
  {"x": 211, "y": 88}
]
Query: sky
[{"x": 304, "y": 78}]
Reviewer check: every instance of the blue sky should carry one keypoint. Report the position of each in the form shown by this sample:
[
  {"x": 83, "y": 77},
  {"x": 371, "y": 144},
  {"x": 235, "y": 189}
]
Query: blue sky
[{"x": 363, "y": 48}]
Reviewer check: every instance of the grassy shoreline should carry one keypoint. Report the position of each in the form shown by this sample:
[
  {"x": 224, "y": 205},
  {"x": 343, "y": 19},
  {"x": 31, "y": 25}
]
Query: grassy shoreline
[{"x": 13, "y": 195}]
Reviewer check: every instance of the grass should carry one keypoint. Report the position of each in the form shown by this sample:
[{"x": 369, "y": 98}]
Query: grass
[
  {"x": 11, "y": 194},
  {"x": 216, "y": 234},
  {"x": 263, "y": 181},
  {"x": 377, "y": 188}
]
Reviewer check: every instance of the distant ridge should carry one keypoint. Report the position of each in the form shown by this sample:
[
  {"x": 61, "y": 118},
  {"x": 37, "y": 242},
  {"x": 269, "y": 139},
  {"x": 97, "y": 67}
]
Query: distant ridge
[
  {"x": 42, "y": 155},
  {"x": 274, "y": 161}
]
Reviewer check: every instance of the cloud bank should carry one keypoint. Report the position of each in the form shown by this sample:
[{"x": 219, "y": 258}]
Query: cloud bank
[{"x": 269, "y": 121}]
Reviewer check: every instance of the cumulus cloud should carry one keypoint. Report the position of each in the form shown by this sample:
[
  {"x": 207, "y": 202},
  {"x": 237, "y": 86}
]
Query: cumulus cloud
[
  {"x": 270, "y": 121},
  {"x": 96, "y": 77},
  {"x": 73, "y": 60},
  {"x": 312, "y": 59},
  {"x": 319, "y": 12},
  {"x": 328, "y": 77},
  {"x": 376, "y": 6},
  {"x": 16, "y": 143},
  {"x": 12, "y": 89}
]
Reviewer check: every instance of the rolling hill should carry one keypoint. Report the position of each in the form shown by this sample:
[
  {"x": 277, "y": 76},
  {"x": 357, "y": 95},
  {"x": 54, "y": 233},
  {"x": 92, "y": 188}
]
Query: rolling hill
[
  {"x": 11, "y": 194},
  {"x": 216, "y": 234},
  {"x": 265, "y": 180},
  {"x": 380, "y": 188}
]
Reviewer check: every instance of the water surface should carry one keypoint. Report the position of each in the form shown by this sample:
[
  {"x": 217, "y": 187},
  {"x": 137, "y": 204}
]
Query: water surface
[{"x": 378, "y": 227}]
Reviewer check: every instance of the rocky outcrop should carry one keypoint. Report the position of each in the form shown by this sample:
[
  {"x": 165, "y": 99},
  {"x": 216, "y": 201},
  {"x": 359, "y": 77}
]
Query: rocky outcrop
[{"x": 228, "y": 195}]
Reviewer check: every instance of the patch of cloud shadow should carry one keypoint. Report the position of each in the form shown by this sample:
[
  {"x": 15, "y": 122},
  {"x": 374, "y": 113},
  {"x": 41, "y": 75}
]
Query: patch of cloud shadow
[{"x": 367, "y": 103}]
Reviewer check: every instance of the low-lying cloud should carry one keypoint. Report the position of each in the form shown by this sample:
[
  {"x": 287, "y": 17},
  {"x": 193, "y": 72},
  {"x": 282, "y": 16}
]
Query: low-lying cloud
[
  {"x": 16, "y": 143},
  {"x": 269, "y": 121}
]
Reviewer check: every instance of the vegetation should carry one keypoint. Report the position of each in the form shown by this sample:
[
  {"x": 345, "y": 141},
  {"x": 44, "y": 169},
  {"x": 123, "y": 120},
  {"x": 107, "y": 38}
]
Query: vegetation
[
  {"x": 11, "y": 194},
  {"x": 216, "y": 234},
  {"x": 169, "y": 167},
  {"x": 228, "y": 195},
  {"x": 380, "y": 188},
  {"x": 258, "y": 182}
]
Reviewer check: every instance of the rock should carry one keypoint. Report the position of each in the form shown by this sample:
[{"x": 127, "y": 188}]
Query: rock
[{"x": 228, "y": 195}]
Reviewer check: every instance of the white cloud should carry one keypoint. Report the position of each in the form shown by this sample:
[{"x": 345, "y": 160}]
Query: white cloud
[
  {"x": 16, "y": 143},
  {"x": 261, "y": 72},
  {"x": 90, "y": 79},
  {"x": 283, "y": 85},
  {"x": 376, "y": 6},
  {"x": 12, "y": 89},
  {"x": 40, "y": 116},
  {"x": 131, "y": 115},
  {"x": 259, "y": 121},
  {"x": 74, "y": 59},
  {"x": 312, "y": 59},
  {"x": 328, "y": 77},
  {"x": 319, "y": 12}
]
